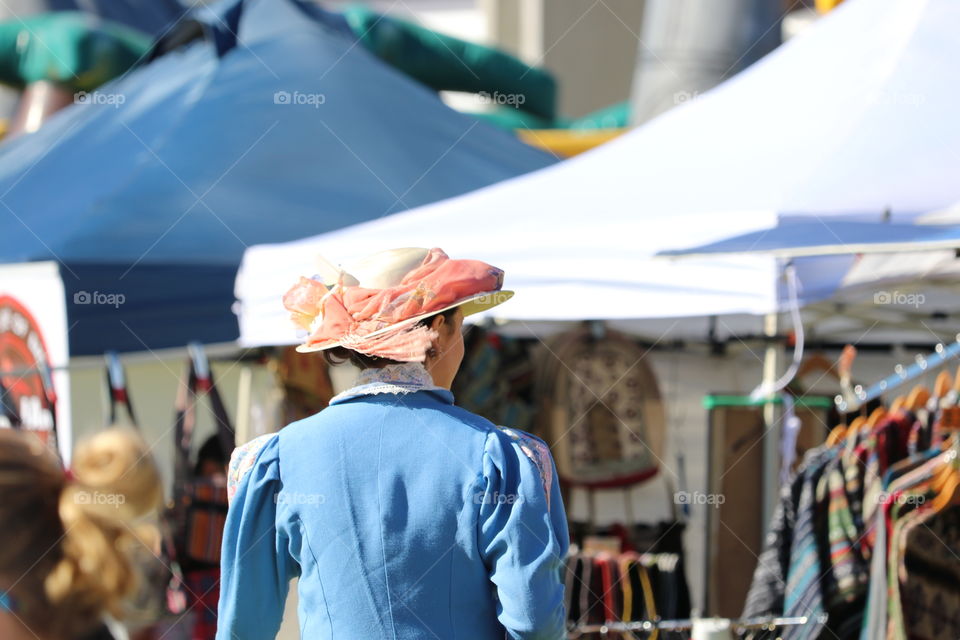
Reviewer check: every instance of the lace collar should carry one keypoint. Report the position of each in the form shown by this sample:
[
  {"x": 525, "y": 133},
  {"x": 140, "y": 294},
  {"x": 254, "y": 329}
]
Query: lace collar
[{"x": 404, "y": 378}]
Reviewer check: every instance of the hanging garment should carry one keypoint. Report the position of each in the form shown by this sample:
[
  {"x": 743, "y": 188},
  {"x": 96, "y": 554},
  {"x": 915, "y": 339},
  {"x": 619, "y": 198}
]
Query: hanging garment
[
  {"x": 903, "y": 518},
  {"x": 846, "y": 575},
  {"x": 496, "y": 378},
  {"x": 602, "y": 413},
  {"x": 803, "y": 595},
  {"x": 626, "y": 587},
  {"x": 573, "y": 583},
  {"x": 766, "y": 594},
  {"x": 929, "y": 574},
  {"x": 199, "y": 509}
]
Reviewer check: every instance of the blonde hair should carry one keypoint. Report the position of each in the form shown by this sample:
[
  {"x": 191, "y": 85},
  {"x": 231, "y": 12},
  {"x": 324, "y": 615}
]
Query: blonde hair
[{"x": 68, "y": 539}]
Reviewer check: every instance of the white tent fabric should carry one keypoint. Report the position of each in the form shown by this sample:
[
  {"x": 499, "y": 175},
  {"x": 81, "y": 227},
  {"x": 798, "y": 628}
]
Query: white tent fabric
[
  {"x": 911, "y": 266},
  {"x": 850, "y": 119}
]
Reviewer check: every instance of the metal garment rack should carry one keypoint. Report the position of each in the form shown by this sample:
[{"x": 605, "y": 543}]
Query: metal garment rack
[
  {"x": 859, "y": 396},
  {"x": 649, "y": 626}
]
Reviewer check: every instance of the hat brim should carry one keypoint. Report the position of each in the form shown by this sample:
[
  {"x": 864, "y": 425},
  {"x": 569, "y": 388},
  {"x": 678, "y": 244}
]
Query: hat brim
[{"x": 469, "y": 306}]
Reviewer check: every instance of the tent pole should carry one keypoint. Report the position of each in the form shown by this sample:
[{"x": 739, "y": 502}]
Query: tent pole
[
  {"x": 244, "y": 403},
  {"x": 771, "y": 440}
]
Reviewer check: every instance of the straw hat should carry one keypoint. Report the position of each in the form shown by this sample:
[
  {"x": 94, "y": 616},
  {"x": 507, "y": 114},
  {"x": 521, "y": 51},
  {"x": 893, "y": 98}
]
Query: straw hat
[{"x": 385, "y": 271}]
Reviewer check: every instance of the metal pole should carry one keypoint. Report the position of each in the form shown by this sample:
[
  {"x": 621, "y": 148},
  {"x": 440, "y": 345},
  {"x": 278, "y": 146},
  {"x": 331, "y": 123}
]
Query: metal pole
[
  {"x": 244, "y": 403},
  {"x": 771, "y": 439}
]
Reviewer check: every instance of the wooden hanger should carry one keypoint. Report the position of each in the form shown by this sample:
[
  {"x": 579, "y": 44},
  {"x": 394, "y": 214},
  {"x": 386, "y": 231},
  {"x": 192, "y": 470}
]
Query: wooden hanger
[
  {"x": 946, "y": 482},
  {"x": 918, "y": 398},
  {"x": 950, "y": 495},
  {"x": 898, "y": 404},
  {"x": 840, "y": 371},
  {"x": 836, "y": 435},
  {"x": 845, "y": 370},
  {"x": 876, "y": 416},
  {"x": 857, "y": 422},
  {"x": 818, "y": 362},
  {"x": 942, "y": 385},
  {"x": 853, "y": 432},
  {"x": 950, "y": 418}
]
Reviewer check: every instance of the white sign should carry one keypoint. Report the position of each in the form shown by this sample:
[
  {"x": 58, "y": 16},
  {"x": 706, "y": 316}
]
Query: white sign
[{"x": 34, "y": 352}]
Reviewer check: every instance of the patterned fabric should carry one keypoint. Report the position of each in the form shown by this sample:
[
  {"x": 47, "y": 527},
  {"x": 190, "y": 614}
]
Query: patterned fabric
[
  {"x": 929, "y": 572},
  {"x": 803, "y": 595},
  {"x": 203, "y": 597},
  {"x": 765, "y": 597},
  {"x": 601, "y": 410},
  {"x": 895, "y": 479},
  {"x": 241, "y": 461},
  {"x": 875, "y": 615},
  {"x": 887, "y": 445},
  {"x": 539, "y": 453},
  {"x": 845, "y": 579}
]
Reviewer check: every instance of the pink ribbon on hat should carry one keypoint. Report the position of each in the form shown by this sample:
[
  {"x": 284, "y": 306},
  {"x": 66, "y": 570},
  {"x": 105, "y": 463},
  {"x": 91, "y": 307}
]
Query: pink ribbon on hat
[{"x": 374, "y": 321}]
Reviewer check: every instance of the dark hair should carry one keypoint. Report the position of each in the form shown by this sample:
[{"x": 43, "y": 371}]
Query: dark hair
[
  {"x": 339, "y": 355},
  {"x": 211, "y": 451}
]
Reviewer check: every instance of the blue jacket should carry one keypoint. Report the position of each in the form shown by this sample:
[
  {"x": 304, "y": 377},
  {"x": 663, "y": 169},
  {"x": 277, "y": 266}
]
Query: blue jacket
[{"x": 405, "y": 517}]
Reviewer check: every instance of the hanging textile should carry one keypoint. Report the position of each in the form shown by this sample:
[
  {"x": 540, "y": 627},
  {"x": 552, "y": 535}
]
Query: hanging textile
[
  {"x": 866, "y": 536},
  {"x": 117, "y": 393},
  {"x": 600, "y": 409},
  {"x": 496, "y": 378},
  {"x": 604, "y": 588},
  {"x": 200, "y": 499}
]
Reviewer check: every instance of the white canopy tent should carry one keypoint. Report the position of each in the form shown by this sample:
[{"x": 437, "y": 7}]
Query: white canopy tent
[{"x": 851, "y": 119}]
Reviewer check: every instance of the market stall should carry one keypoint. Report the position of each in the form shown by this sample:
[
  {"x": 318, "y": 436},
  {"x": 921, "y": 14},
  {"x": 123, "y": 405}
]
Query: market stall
[{"x": 578, "y": 240}]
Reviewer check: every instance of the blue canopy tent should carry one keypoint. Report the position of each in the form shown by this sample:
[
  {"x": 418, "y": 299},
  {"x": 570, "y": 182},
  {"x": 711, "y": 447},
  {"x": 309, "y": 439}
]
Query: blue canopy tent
[
  {"x": 823, "y": 237},
  {"x": 270, "y": 125}
]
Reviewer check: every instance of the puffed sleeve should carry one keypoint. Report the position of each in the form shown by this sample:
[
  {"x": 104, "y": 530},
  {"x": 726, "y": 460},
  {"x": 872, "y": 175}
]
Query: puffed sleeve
[
  {"x": 523, "y": 535},
  {"x": 256, "y": 566}
]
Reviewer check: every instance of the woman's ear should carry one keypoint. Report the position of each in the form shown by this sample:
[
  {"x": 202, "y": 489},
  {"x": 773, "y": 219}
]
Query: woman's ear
[{"x": 438, "y": 322}]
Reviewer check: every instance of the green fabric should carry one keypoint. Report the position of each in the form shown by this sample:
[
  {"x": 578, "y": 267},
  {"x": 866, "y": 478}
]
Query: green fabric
[
  {"x": 615, "y": 116},
  {"x": 510, "y": 119},
  {"x": 73, "y": 49},
  {"x": 445, "y": 63},
  {"x": 716, "y": 401}
]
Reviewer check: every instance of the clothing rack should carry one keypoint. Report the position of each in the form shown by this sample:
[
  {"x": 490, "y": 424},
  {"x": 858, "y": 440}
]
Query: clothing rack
[
  {"x": 648, "y": 626},
  {"x": 902, "y": 375}
]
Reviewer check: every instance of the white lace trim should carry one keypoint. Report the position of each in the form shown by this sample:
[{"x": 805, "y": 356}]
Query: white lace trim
[{"x": 403, "y": 378}]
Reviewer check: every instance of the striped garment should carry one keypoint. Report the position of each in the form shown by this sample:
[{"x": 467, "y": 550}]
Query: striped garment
[
  {"x": 804, "y": 596},
  {"x": 847, "y": 574},
  {"x": 903, "y": 516},
  {"x": 846, "y": 580},
  {"x": 765, "y": 597}
]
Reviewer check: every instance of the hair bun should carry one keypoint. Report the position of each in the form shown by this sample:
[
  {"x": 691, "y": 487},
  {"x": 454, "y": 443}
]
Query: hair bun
[{"x": 114, "y": 483}]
